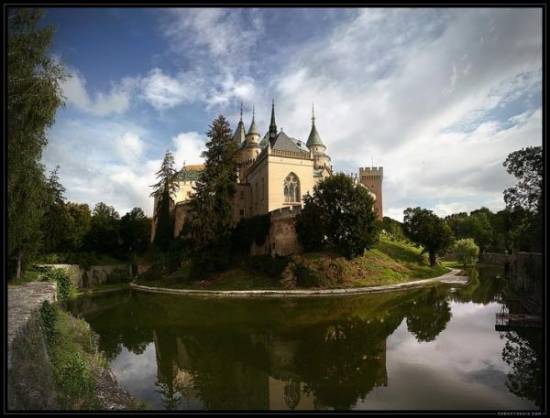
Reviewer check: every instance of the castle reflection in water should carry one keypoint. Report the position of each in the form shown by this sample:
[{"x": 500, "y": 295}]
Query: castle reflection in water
[{"x": 266, "y": 354}]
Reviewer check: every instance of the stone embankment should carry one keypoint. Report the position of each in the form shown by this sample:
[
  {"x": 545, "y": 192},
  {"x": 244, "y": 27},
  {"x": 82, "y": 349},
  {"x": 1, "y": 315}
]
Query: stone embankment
[
  {"x": 22, "y": 301},
  {"x": 451, "y": 278}
]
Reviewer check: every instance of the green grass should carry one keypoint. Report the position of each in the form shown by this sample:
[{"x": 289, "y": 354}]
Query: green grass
[{"x": 388, "y": 262}]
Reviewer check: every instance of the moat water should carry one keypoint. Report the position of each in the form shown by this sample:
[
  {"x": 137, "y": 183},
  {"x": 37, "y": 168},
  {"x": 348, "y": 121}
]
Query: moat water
[{"x": 432, "y": 348}]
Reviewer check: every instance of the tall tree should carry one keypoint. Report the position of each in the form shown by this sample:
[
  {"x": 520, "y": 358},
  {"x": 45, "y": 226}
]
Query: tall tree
[
  {"x": 339, "y": 214},
  {"x": 427, "y": 229},
  {"x": 34, "y": 95},
  {"x": 210, "y": 213},
  {"x": 134, "y": 231},
  {"x": 103, "y": 236},
  {"x": 163, "y": 191},
  {"x": 56, "y": 217},
  {"x": 527, "y": 166},
  {"x": 78, "y": 225}
]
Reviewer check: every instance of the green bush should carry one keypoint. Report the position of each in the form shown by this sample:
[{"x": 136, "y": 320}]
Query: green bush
[
  {"x": 48, "y": 315},
  {"x": 64, "y": 284},
  {"x": 466, "y": 251},
  {"x": 303, "y": 273},
  {"x": 76, "y": 380}
]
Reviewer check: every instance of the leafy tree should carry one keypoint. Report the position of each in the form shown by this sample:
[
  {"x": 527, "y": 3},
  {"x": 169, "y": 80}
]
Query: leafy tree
[
  {"x": 33, "y": 96},
  {"x": 525, "y": 199},
  {"x": 103, "y": 236},
  {"x": 478, "y": 225},
  {"x": 163, "y": 191},
  {"x": 134, "y": 231},
  {"x": 211, "y": 218},
  {"x": 56, "y": 217},
  {"x": 78, "y": 225},
  {"x": 339, "y": 213},
  {"x": 466, "y": 250},
  {"x": 427, "y": 229},
  {"x": 527, "y": 166}
]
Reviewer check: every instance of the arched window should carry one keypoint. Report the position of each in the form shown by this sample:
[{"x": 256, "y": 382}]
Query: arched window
[{"x": 292, "y": 188}]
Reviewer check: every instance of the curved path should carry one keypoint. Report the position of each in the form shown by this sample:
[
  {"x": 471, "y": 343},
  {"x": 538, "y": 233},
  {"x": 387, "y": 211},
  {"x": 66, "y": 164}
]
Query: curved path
[{"x": 451, "y": 277}]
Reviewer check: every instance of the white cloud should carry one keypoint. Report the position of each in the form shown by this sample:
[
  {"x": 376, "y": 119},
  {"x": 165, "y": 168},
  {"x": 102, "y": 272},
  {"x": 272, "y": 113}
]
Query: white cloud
[
  {"x": 188, "y": 148},
  {"x": 163, "y": 91},
  {"x": 116, "y": 101}
]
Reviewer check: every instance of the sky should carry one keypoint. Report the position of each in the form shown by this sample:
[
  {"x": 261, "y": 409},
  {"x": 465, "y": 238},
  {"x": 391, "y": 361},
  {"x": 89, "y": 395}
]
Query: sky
[{"x": 437, "y": 96}]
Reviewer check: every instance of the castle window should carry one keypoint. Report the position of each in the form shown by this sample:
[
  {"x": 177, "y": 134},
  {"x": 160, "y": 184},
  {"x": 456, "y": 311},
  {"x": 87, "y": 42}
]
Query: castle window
[{"x": 292, "y": 188}]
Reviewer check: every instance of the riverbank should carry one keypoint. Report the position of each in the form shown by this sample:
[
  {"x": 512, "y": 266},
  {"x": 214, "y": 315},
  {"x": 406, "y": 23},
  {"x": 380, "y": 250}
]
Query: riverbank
[
  {"x": 454, "y": 278},
  {"x": 387, "y": 263},
  {"x": 54, "y": 360}
]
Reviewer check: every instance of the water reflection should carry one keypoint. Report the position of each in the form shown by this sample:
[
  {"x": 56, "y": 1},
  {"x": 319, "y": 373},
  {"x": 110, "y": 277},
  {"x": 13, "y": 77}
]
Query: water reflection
[{"x": 308, "y": 354}]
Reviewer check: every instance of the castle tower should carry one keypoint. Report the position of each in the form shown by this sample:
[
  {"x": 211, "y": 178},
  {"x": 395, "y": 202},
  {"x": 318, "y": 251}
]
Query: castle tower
[
  {"x": 239, "y": 135},
  {"x": 316, "y": 146},
  {"x": 372, "y": 178},
  {"x": 251, "y": 147},
  {"x": 272, "y": 126}
]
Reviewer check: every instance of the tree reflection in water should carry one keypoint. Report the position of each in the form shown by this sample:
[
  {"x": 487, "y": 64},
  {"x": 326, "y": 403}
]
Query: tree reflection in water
[{"x": 268, "y": 354}]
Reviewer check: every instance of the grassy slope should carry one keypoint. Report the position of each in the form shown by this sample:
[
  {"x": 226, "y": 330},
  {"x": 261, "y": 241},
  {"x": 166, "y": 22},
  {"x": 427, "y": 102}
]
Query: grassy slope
[{"x": 388, "y": 262}]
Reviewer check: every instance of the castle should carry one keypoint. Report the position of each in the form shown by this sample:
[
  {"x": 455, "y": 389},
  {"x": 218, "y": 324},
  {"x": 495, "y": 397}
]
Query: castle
[{"x": 274, "y": 173}]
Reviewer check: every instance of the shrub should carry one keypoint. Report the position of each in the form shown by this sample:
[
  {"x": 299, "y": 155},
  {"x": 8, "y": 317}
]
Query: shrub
[
  {"x": 76, "y": 380},
  {"x": 48, "y": 315},
  {"x": 64, "y": 284},
  {"x": 466, "y": 251},
  {"x": 303, "y": 273}
]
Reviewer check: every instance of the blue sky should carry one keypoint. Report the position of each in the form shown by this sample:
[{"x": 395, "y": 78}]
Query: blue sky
[{"x": 438, "y": 97}]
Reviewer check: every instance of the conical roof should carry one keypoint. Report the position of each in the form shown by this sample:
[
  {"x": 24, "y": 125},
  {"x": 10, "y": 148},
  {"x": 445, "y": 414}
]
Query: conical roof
[
  {"x": 253, "y": 130},
  {"x": 239, "y": 135},
  {"x": 314, "y": 138}
]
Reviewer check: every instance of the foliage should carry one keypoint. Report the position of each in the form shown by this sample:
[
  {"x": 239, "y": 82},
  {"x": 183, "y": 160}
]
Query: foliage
[
  {"x": 118, "y": 276},
  {"x": 306, "y": 273},
  {"x": 339, "y": 214},
  {"x": 56, "y": 216},
  {"x": 466, "y": 251},
  {"x": 48, "y": 315},
  {"x": 477, "y": 225},
  {"x": 393, "y": 228},
  {"x": 249, "y": 230},
  {"x": 134, "y": 232},
  {"x": 210, "y": 214},
  {"x": 75, "y": 379},
  {"x": 103, "y": 236},
  {"x": 425, "y": 228},
  {"x": 163, "y": 192},
  {"x": 527, "y": 166},
  {"x": 64, "y": 284},
  {"x": 78, "y": 225},
  {"x": 34, "y": 94}
]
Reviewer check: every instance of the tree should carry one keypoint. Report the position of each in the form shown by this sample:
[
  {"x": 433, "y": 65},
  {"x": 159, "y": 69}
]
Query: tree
[
  {"x": 393, "y": 228},
  {"x": 340, "y": 214},
  {"x": 527, "y": 166},
  {"x": 428, "y": 230},
  {"x": 103, "y": 236},
  {"x": 210, "y": 214},
  {"x": 34, "y": 94},
  {"x": 163, "y": 191},
  {"x": 478, "y": 225},
  {"x": 78, "y": 225},
  {"x": 134, "y": 231},
  {"x": 466, "y": 251},
  {"x": 56, "y": 217}
]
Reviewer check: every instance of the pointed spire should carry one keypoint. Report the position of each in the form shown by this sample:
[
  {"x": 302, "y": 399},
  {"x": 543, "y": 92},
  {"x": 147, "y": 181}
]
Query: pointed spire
[
  {"x": 253, "y": 130},
  {"x": 272, "y": 125},
  {"x": 239, "y": 135},
  {"x": 314, "y": 138}
]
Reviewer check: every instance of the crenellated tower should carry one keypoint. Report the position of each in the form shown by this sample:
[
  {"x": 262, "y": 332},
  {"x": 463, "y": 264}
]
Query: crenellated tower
[{"x": 372, "y": 178}]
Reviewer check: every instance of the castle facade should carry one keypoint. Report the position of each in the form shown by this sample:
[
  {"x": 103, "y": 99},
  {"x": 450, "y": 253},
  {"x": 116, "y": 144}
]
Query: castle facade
[{"x": 274, "y": 173}]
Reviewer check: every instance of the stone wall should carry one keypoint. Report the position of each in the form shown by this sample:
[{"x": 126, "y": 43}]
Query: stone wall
[
  {"x": 282, "y": 239},
  {"x": 494, "y": 258},
  {"x": 93, "y": 276}
]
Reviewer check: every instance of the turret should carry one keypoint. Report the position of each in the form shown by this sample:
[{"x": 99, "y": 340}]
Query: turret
[
  {"x": 253, "y": 136},
  {"x": 316, "y": 146},
  {"x": 239, "y": 135},
  {"x": 372, "y": 178}
]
